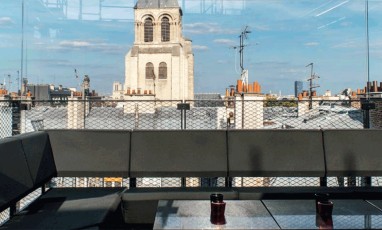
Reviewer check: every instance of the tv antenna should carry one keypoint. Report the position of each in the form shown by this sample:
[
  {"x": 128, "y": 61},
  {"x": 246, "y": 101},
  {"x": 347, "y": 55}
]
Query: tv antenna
[
  {"x": 244, "y": 72},
  {"x": 312, "y": 86}
]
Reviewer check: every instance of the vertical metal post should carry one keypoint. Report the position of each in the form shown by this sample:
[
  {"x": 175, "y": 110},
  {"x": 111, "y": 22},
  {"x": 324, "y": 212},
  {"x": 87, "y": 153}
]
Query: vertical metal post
[
  {"x": 185, "y": 119},
  {"x": 133, "y": 182},
  {"x": 366, "y": 107},
  {"x": 181, "y": 119},
  {"x": 323, "y": 181},
  {"x": 183, "y": 182}
]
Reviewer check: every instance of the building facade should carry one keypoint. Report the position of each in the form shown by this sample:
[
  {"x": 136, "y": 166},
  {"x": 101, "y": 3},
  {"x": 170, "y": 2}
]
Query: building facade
[
  {"x": 161, "y": 62},
  {"x": 298, "y": 88}
]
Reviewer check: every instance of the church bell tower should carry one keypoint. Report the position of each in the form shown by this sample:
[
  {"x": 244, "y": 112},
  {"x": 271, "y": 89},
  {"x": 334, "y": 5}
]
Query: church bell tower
[{"x": 161, "y": 61}]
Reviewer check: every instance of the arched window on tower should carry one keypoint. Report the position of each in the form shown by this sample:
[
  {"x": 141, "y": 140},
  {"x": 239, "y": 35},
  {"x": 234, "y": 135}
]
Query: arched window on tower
[
  {"x": 149, "y": 71},
  {"x": 149, "y": 30},
  {"x": 163, "y": 70},
  {"x": 165, "y": 29}
]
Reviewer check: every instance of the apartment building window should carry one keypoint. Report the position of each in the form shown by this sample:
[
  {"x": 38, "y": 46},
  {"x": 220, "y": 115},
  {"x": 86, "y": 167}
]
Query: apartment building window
[
  {"x": 149, "y": 71},
  {"x": 162, "y": 70},
  {"x": 149, "y": 30},
  {"x": 165, "y": 29}
]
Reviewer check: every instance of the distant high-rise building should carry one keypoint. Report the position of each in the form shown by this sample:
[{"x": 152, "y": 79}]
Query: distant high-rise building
[{"x": 298, "y": 87}]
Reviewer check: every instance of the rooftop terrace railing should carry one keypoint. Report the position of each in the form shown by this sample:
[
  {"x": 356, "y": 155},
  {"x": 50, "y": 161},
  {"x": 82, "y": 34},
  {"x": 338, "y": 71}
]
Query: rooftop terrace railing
[{"x": 28, "y": 116}]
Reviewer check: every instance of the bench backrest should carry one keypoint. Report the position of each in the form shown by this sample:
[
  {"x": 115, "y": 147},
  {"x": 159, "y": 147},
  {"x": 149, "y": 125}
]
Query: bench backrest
[
  {"x": 39, "y": 156},
  {"x": 353, "y": 152},
  {"x": 190, "y": 153},
  {"x": 91, "y": 153},
  {"x": 280, "y": 153},
  {"x": 15, "y": 177}
]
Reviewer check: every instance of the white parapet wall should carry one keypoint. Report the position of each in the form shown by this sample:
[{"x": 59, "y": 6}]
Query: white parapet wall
[
  {"x": 249, "y": 111},
  {"x": 77, "y": 108},
  {"x": 304, "y": 110}
]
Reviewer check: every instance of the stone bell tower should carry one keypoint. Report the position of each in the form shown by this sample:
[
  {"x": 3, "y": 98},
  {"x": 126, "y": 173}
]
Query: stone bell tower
[{"x": 161, "y": 61}]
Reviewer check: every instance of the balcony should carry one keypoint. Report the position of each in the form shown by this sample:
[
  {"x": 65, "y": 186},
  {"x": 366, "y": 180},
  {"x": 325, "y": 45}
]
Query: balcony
[{"x": 114, "y": 160}]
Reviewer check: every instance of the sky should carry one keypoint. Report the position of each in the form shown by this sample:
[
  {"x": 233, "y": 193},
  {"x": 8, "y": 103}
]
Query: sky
[{"x": 286, "y": 35}]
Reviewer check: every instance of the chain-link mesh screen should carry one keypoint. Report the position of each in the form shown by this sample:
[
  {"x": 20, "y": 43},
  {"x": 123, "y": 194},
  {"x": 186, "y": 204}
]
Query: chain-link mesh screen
[
  {"x": 376, "y": 181},
  {"x": 275, "y": 181},
  {"x": 232, "y": 113},
  {"x": 345, "y": 181},
  {"x": 83, "y": 182},
  {"x": 312, "y": 115},
  {"x": 24, "y": 202},
  {"x": 4, "y": 216},
  {"x": 5, "y": 119},
  {"x": 157, "y": 182}
]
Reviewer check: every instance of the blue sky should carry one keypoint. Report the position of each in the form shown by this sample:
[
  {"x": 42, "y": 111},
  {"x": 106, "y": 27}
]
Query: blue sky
[{"x": 286, "y": 35}]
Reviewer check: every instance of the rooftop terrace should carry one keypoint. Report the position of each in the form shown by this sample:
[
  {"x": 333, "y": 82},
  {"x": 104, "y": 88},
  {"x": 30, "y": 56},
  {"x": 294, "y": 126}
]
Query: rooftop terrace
[{"x": 128, "y": 155}]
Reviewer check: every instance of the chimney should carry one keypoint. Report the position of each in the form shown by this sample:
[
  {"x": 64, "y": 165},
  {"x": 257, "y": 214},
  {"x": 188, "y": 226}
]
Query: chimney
[
  {"x": 227, "y": 92},
  {"x": 239, "y": 86},
  {"x": 250, "y": 88},
  {"x": 300, "y": 96},
  {"x": 358, "y": 91},
  {"x": 232, "y": 93}
]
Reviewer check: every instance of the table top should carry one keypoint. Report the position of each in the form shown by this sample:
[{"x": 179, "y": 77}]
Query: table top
[
  {"x": 268, "y": 214},
  {"x": 195, "y": 214},
  {"x": 347, "y": 214}
]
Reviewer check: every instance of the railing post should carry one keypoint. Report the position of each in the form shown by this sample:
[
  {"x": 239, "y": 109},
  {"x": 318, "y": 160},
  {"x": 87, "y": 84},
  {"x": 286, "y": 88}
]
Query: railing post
[
  {"x": 183, "y": 107},
  {"x": 366, "y": 107},
  {"x": 323, "y": 181},
  {"x": 133, "y": 182},
  {"x": 228, "y": 182}
]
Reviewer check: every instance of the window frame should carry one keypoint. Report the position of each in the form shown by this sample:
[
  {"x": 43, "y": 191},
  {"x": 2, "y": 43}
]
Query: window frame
[
  {"x": 149, "y": 74},
  {"x": 148, "y": 29},
  {"x": 165, "y": 29},
  {"x": 162, "y": 71}
]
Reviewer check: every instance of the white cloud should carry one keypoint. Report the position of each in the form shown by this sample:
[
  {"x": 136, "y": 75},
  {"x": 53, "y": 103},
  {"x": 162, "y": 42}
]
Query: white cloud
[
  {"x": 207, "y": 28},
  {"x": 94, "y": 46},
  {"x": 199, "y": 47},
  {"x": 75, "y": 44},
  {"x": 347, "y": 44},
  {"x": 6, "y": 21},
  {"x": 224, "y": 41},
  {"x": 311, "y": 44}
]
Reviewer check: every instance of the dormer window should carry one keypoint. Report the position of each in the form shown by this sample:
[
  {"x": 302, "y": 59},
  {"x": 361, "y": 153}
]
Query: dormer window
[
  {"x": 148, "y": 30},
  {"x": 165, "y": 28}
]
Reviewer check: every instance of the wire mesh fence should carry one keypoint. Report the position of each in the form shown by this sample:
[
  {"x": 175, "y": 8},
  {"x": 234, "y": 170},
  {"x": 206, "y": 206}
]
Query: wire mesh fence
[
  {"x": 84, "y": 182},
  {"x": 230, "y": 113},
  {"x": 24, "y": 202},
  {"x": 275, "y": 181},
  {"x": 4, "y": 216}
]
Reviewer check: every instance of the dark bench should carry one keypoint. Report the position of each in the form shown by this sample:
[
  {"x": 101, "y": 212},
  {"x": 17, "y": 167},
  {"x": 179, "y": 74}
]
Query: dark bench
[
  {"x": 28, "y": 163},
  {"x": 174, "y": 154}
]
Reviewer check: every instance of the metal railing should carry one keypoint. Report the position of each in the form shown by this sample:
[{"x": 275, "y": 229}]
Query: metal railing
[
  {"x": 28, "y": 116},
  {"x": 175, "y": 115}
]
